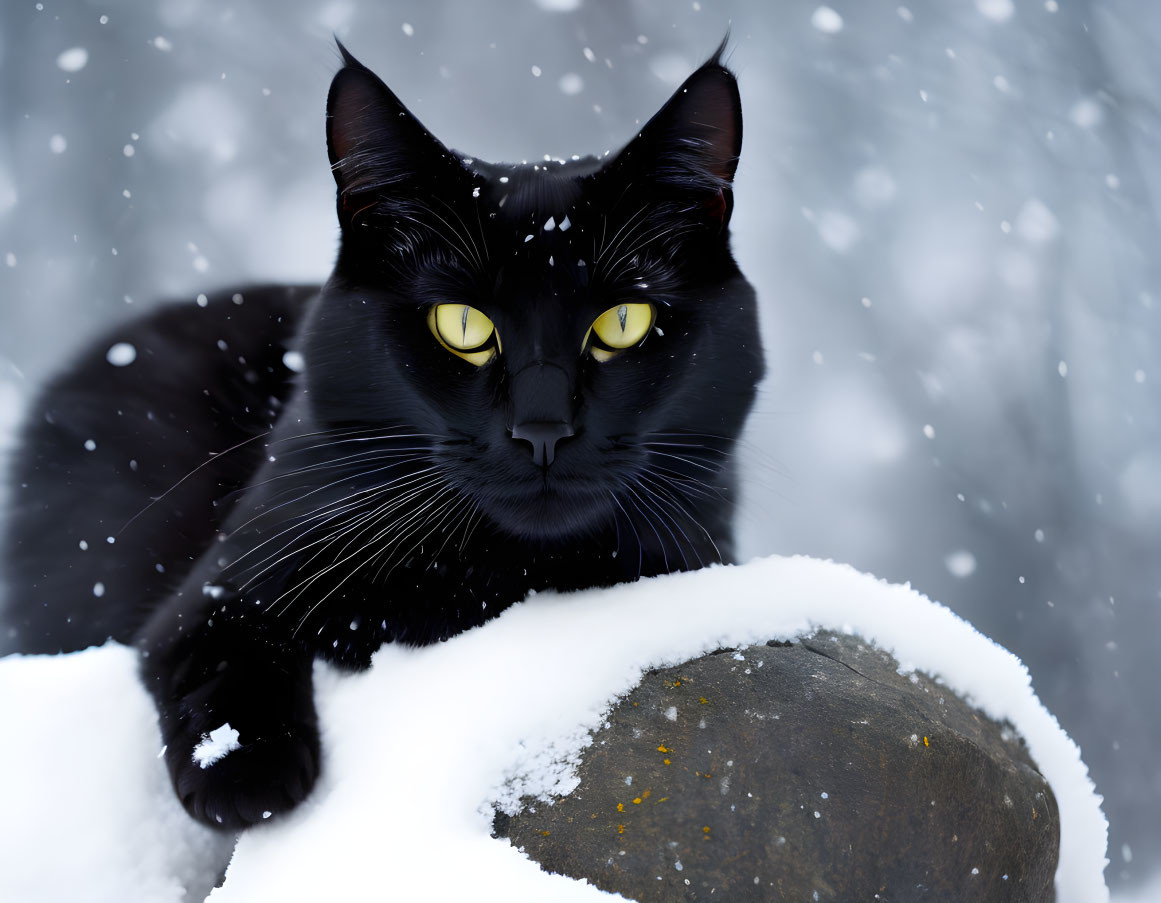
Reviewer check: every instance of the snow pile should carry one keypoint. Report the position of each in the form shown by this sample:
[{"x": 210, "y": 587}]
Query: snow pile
[
  {"x": 418, "y": 749},
  {"x": 88, "y": 813}
]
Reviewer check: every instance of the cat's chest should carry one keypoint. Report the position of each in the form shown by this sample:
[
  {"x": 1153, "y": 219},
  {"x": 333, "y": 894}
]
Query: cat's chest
[{"x": 428, "y": 598}]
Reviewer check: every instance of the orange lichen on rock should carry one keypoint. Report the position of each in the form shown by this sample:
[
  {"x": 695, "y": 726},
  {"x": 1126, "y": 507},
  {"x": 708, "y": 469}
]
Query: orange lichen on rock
[
  {"x": 664, "y": 748},
  {"x": 620, "y": 807},
  {"x": 636, "y": 801},
  {"x": 925, "y": 743}
]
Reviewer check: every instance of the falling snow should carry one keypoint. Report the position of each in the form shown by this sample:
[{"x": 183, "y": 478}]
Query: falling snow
[
  {"x": 122, "y": 354},
  {"x": 996, "y": 10},
  {"x": 570, "y": 83},
  {"x": 1086, "y": 113},
  {"x": 827, "y": 20},
  {"x": 73, "y": 60},
  {"x": 960, "y": 564}
]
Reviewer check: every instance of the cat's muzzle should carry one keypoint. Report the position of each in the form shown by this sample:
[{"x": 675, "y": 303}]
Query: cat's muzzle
[{"x": 541, "y": 408}]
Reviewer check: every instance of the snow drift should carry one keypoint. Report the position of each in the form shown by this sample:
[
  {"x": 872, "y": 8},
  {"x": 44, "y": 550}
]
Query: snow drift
[{"x": 418, "y": 750}]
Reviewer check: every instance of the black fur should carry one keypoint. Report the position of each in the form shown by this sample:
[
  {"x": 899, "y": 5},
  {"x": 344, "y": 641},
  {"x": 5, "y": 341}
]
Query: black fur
[{"x": 380, "y": 496}]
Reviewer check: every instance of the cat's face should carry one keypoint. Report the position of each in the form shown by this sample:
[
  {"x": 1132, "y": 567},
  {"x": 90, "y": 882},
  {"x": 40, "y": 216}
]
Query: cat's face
[{"x": 568, "y": 338}]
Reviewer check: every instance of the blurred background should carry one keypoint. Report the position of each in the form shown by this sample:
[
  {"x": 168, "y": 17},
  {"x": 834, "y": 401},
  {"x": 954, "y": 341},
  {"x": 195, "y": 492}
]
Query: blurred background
[{"x": 947, "y": 208}]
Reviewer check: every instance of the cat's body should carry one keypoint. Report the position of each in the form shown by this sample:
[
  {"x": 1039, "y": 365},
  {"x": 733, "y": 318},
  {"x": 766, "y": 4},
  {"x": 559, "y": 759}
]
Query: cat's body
[
  {"x": 103, "y": 442},
  {"x": 518, "y": 378}
]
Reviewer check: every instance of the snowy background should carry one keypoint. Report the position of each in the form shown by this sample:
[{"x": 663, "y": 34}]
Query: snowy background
[{"x": 946, "y": 207}]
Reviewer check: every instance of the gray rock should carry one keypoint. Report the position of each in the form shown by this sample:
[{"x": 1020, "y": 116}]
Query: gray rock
[{"x": 805, "y": 771}]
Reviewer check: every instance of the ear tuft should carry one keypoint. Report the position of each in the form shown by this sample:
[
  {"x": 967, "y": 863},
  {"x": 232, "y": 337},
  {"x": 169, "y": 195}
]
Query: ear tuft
[
  {"x": 348, "y": 57},
  {"x": 373, "y": 140},
  {"x": 703, "y": 125},
  {"x": 693, "y": 141},
  {"x": 717, "y": 58}
]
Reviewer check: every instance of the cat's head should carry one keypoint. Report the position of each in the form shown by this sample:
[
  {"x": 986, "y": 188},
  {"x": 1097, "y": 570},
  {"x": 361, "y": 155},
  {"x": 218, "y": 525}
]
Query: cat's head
[{"x": 572, "y": 336}]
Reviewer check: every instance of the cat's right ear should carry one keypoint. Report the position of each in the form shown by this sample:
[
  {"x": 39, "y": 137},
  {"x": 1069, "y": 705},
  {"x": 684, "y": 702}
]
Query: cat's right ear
[
  {"x": 377, "y": 148},
  {"x": 691, "y": 146}
]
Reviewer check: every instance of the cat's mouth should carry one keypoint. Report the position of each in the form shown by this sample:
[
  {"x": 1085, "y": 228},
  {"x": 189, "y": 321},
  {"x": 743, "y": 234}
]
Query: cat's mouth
[
  {"x": 549, "y": 509},
  {"x": 570, "y": 497}
]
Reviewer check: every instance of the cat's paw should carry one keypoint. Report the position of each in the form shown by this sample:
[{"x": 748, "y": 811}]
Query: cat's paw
[{"x": 230, "y": 781}]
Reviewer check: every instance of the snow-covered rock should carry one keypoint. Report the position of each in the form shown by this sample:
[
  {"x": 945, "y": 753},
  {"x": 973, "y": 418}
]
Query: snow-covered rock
[
  {"x": 782, "y": 770},
  {"x": 419, "y": 750}
]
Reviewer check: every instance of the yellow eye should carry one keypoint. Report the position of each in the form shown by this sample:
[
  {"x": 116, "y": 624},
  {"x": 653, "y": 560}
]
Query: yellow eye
[
  {"x": 464, "y": 331},
  {"x": 619, "y": 328}
]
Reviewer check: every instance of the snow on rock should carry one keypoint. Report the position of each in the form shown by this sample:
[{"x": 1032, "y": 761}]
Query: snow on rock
[{"x": 419, "y": 749}]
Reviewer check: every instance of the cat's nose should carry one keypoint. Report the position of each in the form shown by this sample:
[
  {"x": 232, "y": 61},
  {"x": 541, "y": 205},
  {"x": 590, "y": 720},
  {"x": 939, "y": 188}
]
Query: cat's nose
[
  {"x": 543, "y": 438},
  {"x": 541, "y": 408}
]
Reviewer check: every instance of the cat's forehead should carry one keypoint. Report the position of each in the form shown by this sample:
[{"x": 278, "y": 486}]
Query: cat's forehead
[
  {"x": 543, "y": 221},
  {"x": 553, "y": 196}
]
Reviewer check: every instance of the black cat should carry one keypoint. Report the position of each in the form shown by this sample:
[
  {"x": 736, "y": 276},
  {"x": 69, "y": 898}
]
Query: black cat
[{"x": 518, "y": 377}]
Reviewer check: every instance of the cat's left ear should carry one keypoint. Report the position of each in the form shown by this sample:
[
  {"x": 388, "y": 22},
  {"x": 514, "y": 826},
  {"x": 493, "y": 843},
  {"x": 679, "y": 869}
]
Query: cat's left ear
[
  {"x": 378, "y": 149},
  {"x": 691, "y": 146}
]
